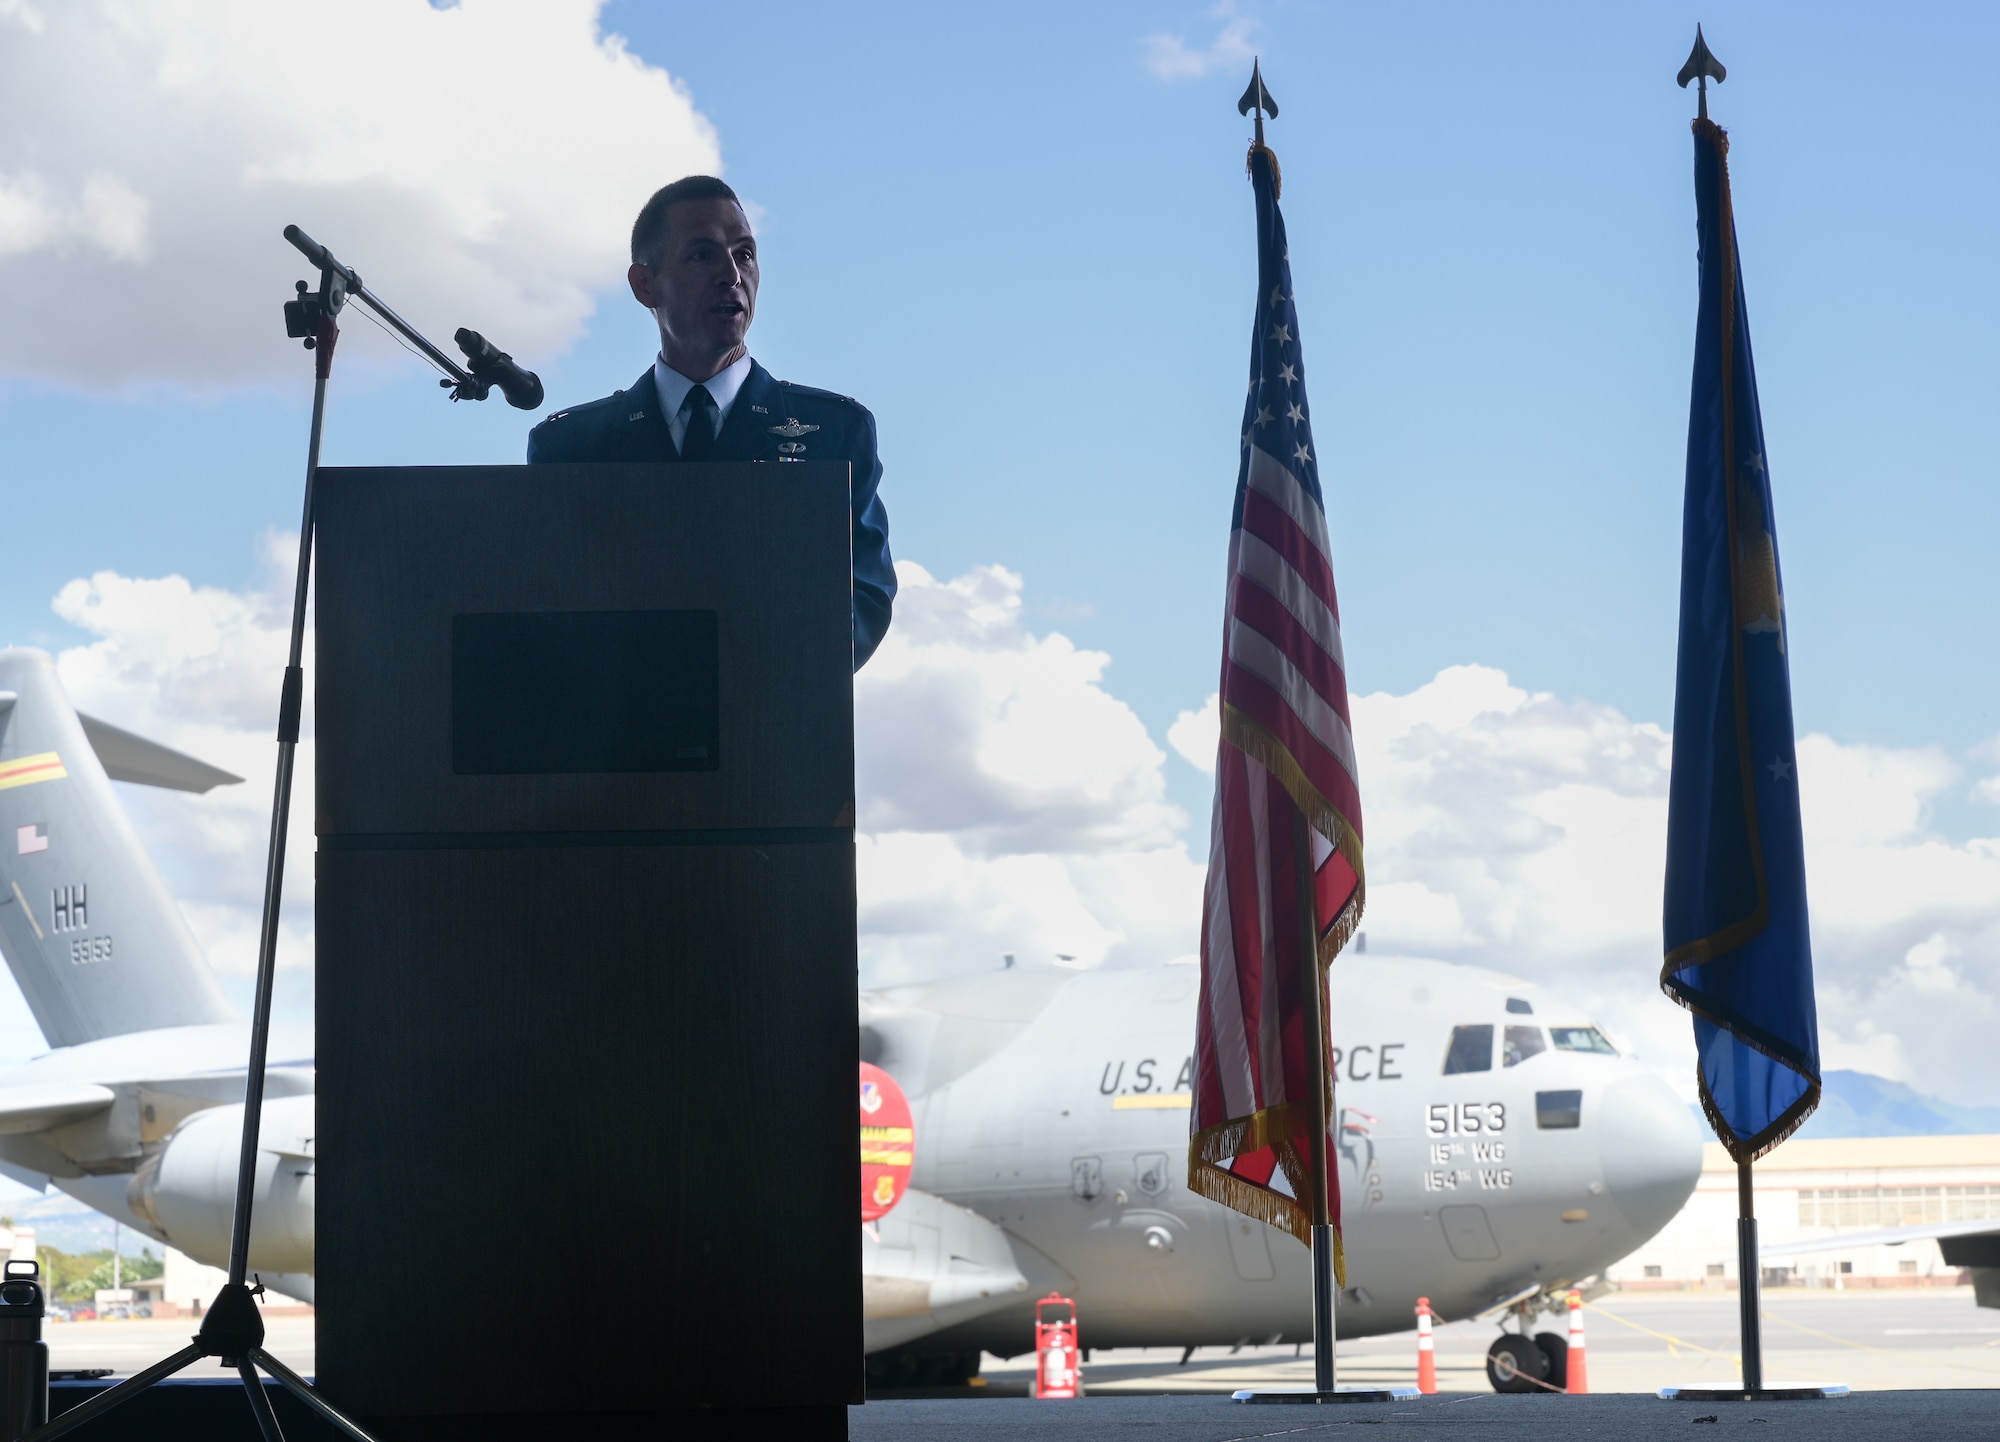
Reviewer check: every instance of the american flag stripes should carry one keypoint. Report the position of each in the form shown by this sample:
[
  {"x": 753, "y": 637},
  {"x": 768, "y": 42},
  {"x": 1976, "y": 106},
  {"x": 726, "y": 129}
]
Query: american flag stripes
[{"x": 1285, "y": 779}]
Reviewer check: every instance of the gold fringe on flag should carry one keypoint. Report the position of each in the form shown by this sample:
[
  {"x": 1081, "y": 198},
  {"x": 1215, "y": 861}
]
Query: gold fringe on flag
[
  {"x": 1277, "y": 175},
  {"x": 1278, "y": 1128}
]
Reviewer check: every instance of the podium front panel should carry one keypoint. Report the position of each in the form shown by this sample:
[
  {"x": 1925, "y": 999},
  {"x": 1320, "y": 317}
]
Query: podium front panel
[
  {"x": 586, "y": 948},
  {"x": 405, "y": 553}
]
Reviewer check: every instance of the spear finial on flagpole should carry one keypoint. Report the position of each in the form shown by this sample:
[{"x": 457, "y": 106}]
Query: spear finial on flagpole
[
  {"x": 1257, "y": 98},
  {"x": 1701, "y": 65}
]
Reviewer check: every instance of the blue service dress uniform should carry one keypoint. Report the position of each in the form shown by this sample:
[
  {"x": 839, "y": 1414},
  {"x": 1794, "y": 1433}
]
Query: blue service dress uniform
[{"x": 629, "y": 425}]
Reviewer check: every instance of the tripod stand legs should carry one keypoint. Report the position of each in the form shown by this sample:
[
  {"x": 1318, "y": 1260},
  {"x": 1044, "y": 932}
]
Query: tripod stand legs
[
  {"x": 300, "y": 1388},
  {"x": 131, "y": 1387},
  {"x": 260, "y": 1402}
]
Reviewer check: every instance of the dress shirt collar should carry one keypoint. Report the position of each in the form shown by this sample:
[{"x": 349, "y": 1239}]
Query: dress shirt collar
[{"x": 674, "y": 388}]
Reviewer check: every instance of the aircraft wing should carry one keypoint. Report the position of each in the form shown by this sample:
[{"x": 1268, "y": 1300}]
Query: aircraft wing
[
  {"x": 931, "y": 1264},
  {"x": 51, "y": 1104},
  {"x": 1892, "y": 1237}
]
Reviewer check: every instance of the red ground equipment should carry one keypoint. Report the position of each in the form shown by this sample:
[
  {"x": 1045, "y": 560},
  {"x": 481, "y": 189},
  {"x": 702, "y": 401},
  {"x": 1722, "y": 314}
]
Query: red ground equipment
[
  {"x": 1056, "y": 1370},
  {"x": 886, "y": 1143},
  {"x": 1427, "y": 1372},
  {"x": 1579, "y": 1370}
]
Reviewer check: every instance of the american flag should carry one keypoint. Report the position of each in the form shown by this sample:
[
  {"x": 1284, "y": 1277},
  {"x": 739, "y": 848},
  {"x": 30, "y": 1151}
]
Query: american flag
[{"x": 1286, "y": 757}]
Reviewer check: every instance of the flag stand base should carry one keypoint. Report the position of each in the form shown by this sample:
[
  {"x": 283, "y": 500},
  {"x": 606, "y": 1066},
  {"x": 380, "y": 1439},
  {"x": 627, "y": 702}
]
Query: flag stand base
[
  {"x": 1805, "y": 1392},
  {"x": 1338, "y": 1394}
]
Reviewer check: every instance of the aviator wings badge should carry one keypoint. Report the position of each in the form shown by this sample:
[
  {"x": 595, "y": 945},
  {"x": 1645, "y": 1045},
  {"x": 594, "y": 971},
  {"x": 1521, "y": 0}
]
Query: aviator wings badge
[{"x": 792, "y": 429}]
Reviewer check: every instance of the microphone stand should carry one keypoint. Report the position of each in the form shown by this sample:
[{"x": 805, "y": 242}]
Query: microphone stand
[{"x": 233, "y": 1328}]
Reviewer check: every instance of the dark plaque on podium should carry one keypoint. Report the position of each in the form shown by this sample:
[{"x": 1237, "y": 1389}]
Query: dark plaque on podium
[{"x": 586, "y": 951}]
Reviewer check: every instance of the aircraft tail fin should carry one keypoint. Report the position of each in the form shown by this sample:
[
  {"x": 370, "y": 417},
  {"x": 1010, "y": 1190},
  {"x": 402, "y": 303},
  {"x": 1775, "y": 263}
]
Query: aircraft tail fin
[{"x": 86, "y": 924}]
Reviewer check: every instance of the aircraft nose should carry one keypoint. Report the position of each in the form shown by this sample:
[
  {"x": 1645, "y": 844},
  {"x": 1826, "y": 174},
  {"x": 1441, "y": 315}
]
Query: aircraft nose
[{"x": 1650, "y": 1148}]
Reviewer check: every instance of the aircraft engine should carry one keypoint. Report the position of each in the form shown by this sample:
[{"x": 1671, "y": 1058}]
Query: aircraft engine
[{"x": 187, "y": 1189}]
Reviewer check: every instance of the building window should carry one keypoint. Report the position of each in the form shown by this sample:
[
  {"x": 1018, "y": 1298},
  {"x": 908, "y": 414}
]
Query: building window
[
  {"x": 1653, "y": 1271},
  {"x": 1897, "y": 1206},
  {"x": 1715, "y": 1269},
  {"x": 1907, "y": 1268},
  {"x": 1847, "y": 1269}
]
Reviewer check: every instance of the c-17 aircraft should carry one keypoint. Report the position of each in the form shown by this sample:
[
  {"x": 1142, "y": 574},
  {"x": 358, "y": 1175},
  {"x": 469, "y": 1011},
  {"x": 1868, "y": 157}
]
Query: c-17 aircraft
[
  {"x": 1494, "y": 1149},
  {"x": 137, "y": 1109}
]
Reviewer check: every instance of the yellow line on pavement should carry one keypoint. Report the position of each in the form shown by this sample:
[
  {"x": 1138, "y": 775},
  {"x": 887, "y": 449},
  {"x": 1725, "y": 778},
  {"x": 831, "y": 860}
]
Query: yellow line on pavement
[
  {"x": 1902, "y": 1354},
  {"x": 1671, "y": 1341}
]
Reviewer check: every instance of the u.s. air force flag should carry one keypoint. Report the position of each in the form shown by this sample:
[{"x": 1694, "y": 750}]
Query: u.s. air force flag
[{"x": 1738, "y": 950}]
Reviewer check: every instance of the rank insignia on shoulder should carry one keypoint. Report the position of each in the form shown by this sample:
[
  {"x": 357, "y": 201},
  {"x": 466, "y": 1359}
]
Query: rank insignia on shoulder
[{"x": 792, "y": 429}]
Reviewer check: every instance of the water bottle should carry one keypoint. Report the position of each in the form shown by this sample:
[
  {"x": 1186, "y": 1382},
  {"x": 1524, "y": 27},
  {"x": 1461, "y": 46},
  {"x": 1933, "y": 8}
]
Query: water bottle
[{"x": 24, "y": 1356}]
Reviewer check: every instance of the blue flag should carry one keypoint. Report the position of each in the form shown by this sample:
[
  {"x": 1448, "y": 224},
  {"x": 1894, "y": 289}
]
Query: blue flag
[{"x": 1738, "y": 950}]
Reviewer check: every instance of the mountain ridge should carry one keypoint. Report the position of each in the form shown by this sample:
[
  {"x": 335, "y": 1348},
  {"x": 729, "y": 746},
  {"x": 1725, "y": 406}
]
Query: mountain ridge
[{"x": 1861, "y": 1104}]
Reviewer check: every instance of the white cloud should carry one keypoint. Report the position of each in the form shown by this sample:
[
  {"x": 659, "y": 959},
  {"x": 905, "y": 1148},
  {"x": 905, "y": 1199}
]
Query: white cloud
[
  {"x": 478, "y": 164},
  {"x": 1008, "y": 802},
  {"x": 198, "y": 669},
  {"x": 1195, "y": 734},
  {"x": 969, "y": 723},
  {"x": 1528, "y": 833},
  {"x": 1170, "y": 57}
]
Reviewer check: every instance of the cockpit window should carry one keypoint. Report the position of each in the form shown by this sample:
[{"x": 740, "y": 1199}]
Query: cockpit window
[
  {"x": 1581, "y": 1038},
  {"x": 1471, "y": 1049},
  {"x": 1520, "y": 1006},
  {"x": 1520, "y": 1043}
]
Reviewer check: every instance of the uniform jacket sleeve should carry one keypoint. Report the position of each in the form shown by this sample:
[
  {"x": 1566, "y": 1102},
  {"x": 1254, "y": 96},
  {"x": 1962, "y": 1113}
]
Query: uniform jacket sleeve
[{"x": 874, "y": 569}]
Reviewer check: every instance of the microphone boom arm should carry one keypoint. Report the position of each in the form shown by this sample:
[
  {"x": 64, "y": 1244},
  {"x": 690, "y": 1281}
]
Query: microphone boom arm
[{"x": 489, "y": 366}]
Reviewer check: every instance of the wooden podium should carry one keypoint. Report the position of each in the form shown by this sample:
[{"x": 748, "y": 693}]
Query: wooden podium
[{"x": 586, "y": 951}]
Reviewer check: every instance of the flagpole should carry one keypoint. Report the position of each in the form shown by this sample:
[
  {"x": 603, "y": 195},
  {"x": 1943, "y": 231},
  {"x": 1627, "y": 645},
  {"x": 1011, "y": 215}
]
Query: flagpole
[
  {"x": 1749, "y": 1276},
  {"x": 1710, "y": 826},
  {"x": 1312, "y": 1199},
  {"x": 1324, "y": 1344}
]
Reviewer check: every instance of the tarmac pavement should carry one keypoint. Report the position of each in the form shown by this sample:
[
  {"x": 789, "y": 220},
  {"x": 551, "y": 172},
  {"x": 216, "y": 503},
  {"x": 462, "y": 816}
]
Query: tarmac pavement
[
  {"x": 1636, "y": 1342},
  {"x": 1934, "y": 1416},
  {"x": 127, "y": 1346}
]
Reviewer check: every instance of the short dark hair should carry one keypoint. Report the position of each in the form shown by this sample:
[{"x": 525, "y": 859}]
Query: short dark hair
[{"x": 649, "y": 231}]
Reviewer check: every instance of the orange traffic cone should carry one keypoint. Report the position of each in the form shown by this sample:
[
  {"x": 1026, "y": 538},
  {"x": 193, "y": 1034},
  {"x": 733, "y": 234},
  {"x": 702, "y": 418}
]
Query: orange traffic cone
[
  {"x": 1579, "y": 1369},
  {"x": 1427, "y": 1372}
]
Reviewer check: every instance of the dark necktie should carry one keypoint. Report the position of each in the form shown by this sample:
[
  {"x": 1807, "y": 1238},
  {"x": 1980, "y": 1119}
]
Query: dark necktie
[{"x": 698, "y": 441}]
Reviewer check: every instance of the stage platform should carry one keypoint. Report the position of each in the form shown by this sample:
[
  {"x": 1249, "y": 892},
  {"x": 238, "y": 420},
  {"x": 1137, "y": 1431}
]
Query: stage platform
[{"x": 1935, "y": 1416}]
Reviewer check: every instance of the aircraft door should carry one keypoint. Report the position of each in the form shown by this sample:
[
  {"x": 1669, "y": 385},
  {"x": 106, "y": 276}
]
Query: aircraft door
[
  {"x": 1249, "y": 1247},
  {"x": 1468, "y": 1234}
]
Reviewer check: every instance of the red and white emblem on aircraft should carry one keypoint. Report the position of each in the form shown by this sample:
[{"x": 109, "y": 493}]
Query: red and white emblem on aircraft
[{"x": 887, "y": 1143}]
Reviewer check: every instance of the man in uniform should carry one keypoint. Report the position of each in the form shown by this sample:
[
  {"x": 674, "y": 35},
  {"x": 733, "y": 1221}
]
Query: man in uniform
[{"x": 694, "y": 266}]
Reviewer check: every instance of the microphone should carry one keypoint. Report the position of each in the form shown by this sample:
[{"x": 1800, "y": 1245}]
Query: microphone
[{"x": 494, "y": 367}]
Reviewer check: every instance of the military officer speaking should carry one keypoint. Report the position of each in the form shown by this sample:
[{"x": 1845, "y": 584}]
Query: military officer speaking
[{"x": 694, "y": 266}]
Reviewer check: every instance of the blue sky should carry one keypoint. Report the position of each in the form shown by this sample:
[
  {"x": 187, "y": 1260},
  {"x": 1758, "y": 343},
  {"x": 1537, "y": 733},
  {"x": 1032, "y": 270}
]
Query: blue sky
[
  {"x": 1023, "y": 237},
  {"x": 1031, "y": 255}
]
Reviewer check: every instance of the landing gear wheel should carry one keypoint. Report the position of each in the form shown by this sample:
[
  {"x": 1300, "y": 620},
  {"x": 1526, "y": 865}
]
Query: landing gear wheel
[
  {"x": 1557, "y": 1350},
  {"x": 1514, "y": 1364}
]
